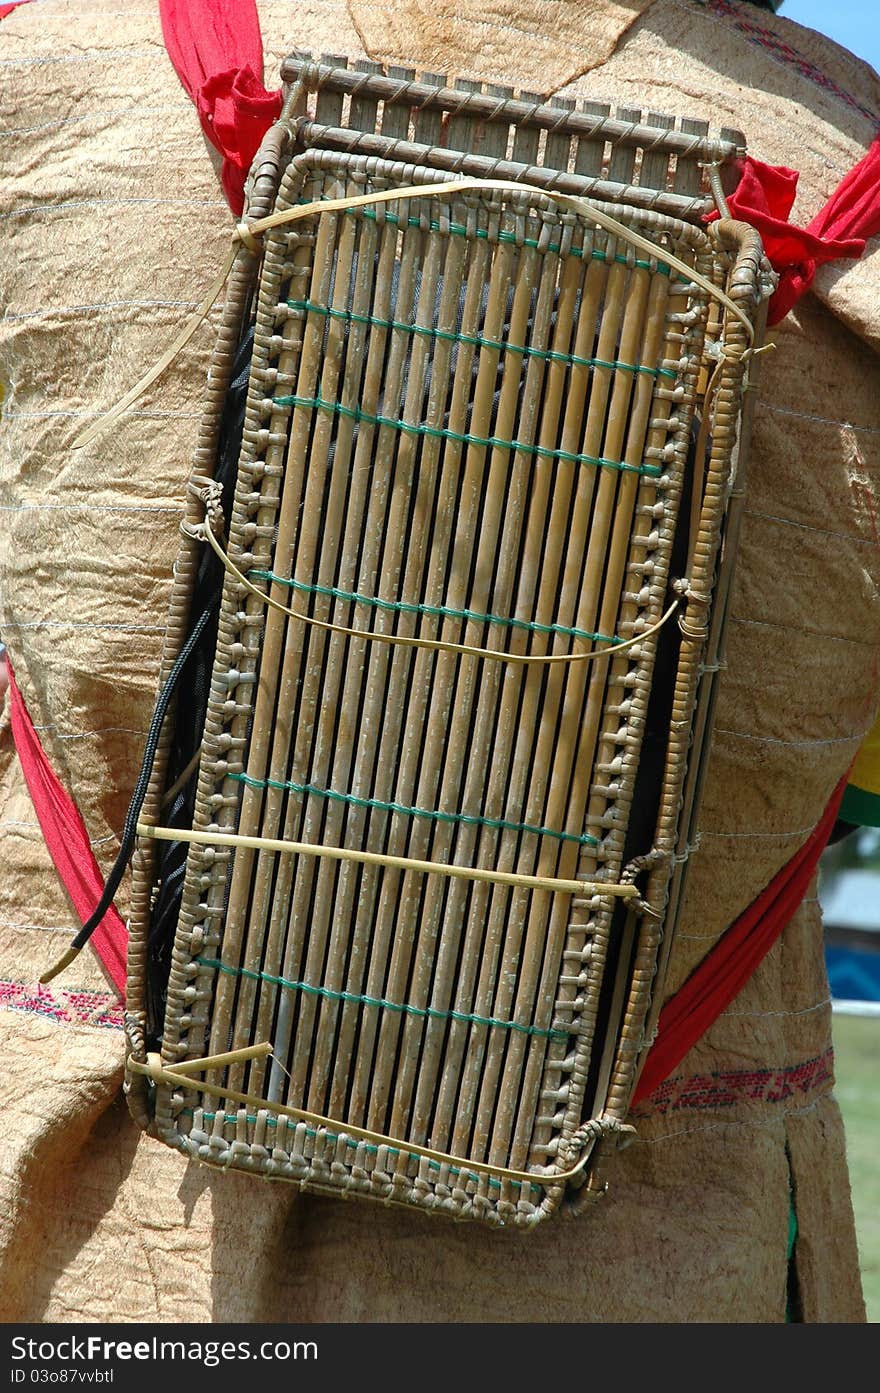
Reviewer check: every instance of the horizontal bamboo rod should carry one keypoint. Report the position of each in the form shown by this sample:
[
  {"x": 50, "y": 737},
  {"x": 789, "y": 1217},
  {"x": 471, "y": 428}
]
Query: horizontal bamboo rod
[
  {"x": 399, "y": 863},
  {"x": 460, "y": 161},
  {"x": 513, "y": 110}
]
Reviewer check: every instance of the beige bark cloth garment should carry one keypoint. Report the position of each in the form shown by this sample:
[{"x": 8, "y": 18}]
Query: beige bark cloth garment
[{"x": 112, "y": 225}]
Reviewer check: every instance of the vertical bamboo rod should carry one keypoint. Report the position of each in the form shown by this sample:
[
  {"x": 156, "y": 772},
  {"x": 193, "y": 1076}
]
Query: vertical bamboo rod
[
  {"x": 623, "y": 738},
  {"x": 485, "y": 783},
  {"x": 462, "y": 542},
  {"x": 298, "y": 691},
  {"x": 235, "y": 919},
  {"x": 572, "y": 294},
  {"x": 471, "y": 684},
  {"x": 385, "y": 679},
  {"x": 604, "y": 571},
  {"x": 417, "y": 752},
  {"x": 576, "y": 609},
  {"x": 335, "y": 759},
  {"x": 294, "y": 890},
  {"x": 278, "y": 685},
  {"x": 639, "y": 432},
  {"x": 363, "y": 537},
  {"x": 569, "y": 478}
]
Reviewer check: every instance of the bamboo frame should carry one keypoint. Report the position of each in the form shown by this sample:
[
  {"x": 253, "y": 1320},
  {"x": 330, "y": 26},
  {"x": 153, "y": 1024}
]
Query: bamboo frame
[{"x": 459, "y": 438}]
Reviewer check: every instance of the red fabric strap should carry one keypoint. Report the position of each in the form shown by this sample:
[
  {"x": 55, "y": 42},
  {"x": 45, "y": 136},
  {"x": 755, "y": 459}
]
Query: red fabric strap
[
  {"x": 7, "y": 9},
  {"x": 66, "y": 837},
  {"x": 725, "y": 970},
  {"x": 217, "y": 52},
  {"x": 764, "y": 198}
]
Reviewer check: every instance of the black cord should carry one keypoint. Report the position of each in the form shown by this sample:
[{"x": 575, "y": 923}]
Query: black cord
[{"x": 129, "y": 830}]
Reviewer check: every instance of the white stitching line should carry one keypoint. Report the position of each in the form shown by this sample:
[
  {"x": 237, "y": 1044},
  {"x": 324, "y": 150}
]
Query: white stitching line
[
  {"x": 798, "y": 629},
  {"x": 807, "y": 527},
  {"x": 114, "y": 203},
  {"x": 133, "y": 110},
  {"x": 83, "y": 507},
  {"x": 44, "y": 415},
  {"x": 772, "y": 1121},
  {"x": 104, "y": 730},
  {"x": 75, "y": 624},
  {"x": 765, "y": 1015},
  {"x": 35, "y": 826},
  {"x": 775, "y": 740},
  {"x": 754, "y": 836},
  {"x": 101, "y": 305},
  {"x": 822, "y": 420},
  {"x": 94, "y": 57},
  {"x": 43, "y": 928}
]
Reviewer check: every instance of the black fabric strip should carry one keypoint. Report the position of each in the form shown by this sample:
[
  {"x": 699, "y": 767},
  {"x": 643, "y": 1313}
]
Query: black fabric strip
[{"x": 129, "y": 830}]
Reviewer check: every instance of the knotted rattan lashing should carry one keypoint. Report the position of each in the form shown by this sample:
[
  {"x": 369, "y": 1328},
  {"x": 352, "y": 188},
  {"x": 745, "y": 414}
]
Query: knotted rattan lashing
[{"x": 447, "y": 776}]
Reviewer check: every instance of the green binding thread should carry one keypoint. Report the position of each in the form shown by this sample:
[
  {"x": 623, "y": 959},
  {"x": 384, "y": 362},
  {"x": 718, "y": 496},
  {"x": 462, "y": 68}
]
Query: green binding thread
[
  {"x": 373, "y": 1148},
  {"x": 457, "y": 229},
  {"x": 547, "y": 355},
  {"x": 427, "y": 1011},
  {"x": 434, "y": 611},
  {"x": 354, "y": 413},
  {"x": 467, "y": 819}
]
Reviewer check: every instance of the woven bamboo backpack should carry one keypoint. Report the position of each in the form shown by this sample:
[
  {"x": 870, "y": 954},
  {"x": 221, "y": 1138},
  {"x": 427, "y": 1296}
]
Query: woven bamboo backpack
[{"x": 440, "y": 661}]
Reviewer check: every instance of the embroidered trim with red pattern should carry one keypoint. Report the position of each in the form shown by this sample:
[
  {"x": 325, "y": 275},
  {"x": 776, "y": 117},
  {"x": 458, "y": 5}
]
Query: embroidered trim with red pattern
[
  {"x": 726, "y": 1090},
  {"x": 783, "y": 53},
  {"x": 66, "y": 1008},
  {"x": 685, "y": 1093}
]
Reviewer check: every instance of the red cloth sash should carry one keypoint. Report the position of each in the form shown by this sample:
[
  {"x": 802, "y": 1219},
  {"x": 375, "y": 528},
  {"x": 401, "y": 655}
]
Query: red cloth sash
[
  {"x": 217, "y": 52},
  {"x": 728, "y": 966},
  {"x": 764, "y": 198},
  {"x": 66, "y": 837}
]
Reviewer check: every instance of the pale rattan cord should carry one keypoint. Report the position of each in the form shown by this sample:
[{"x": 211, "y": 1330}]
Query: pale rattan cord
[
  {"x": 616, "y": 646},
  {"x": 375, "y": 858},
  {"x": 246, "y": 234}
]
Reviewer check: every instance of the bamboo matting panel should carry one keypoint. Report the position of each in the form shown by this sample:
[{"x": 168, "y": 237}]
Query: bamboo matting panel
[{"x": 468, "y": 423}]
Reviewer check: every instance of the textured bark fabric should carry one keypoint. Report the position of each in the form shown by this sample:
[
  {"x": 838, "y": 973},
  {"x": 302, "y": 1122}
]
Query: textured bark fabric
[{"x": 112, "y": 223}]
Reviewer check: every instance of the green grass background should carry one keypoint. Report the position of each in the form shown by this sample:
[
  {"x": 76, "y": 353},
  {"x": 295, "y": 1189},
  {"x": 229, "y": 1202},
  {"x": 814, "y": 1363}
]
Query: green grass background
[{"x": 856, "y": 1054}]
